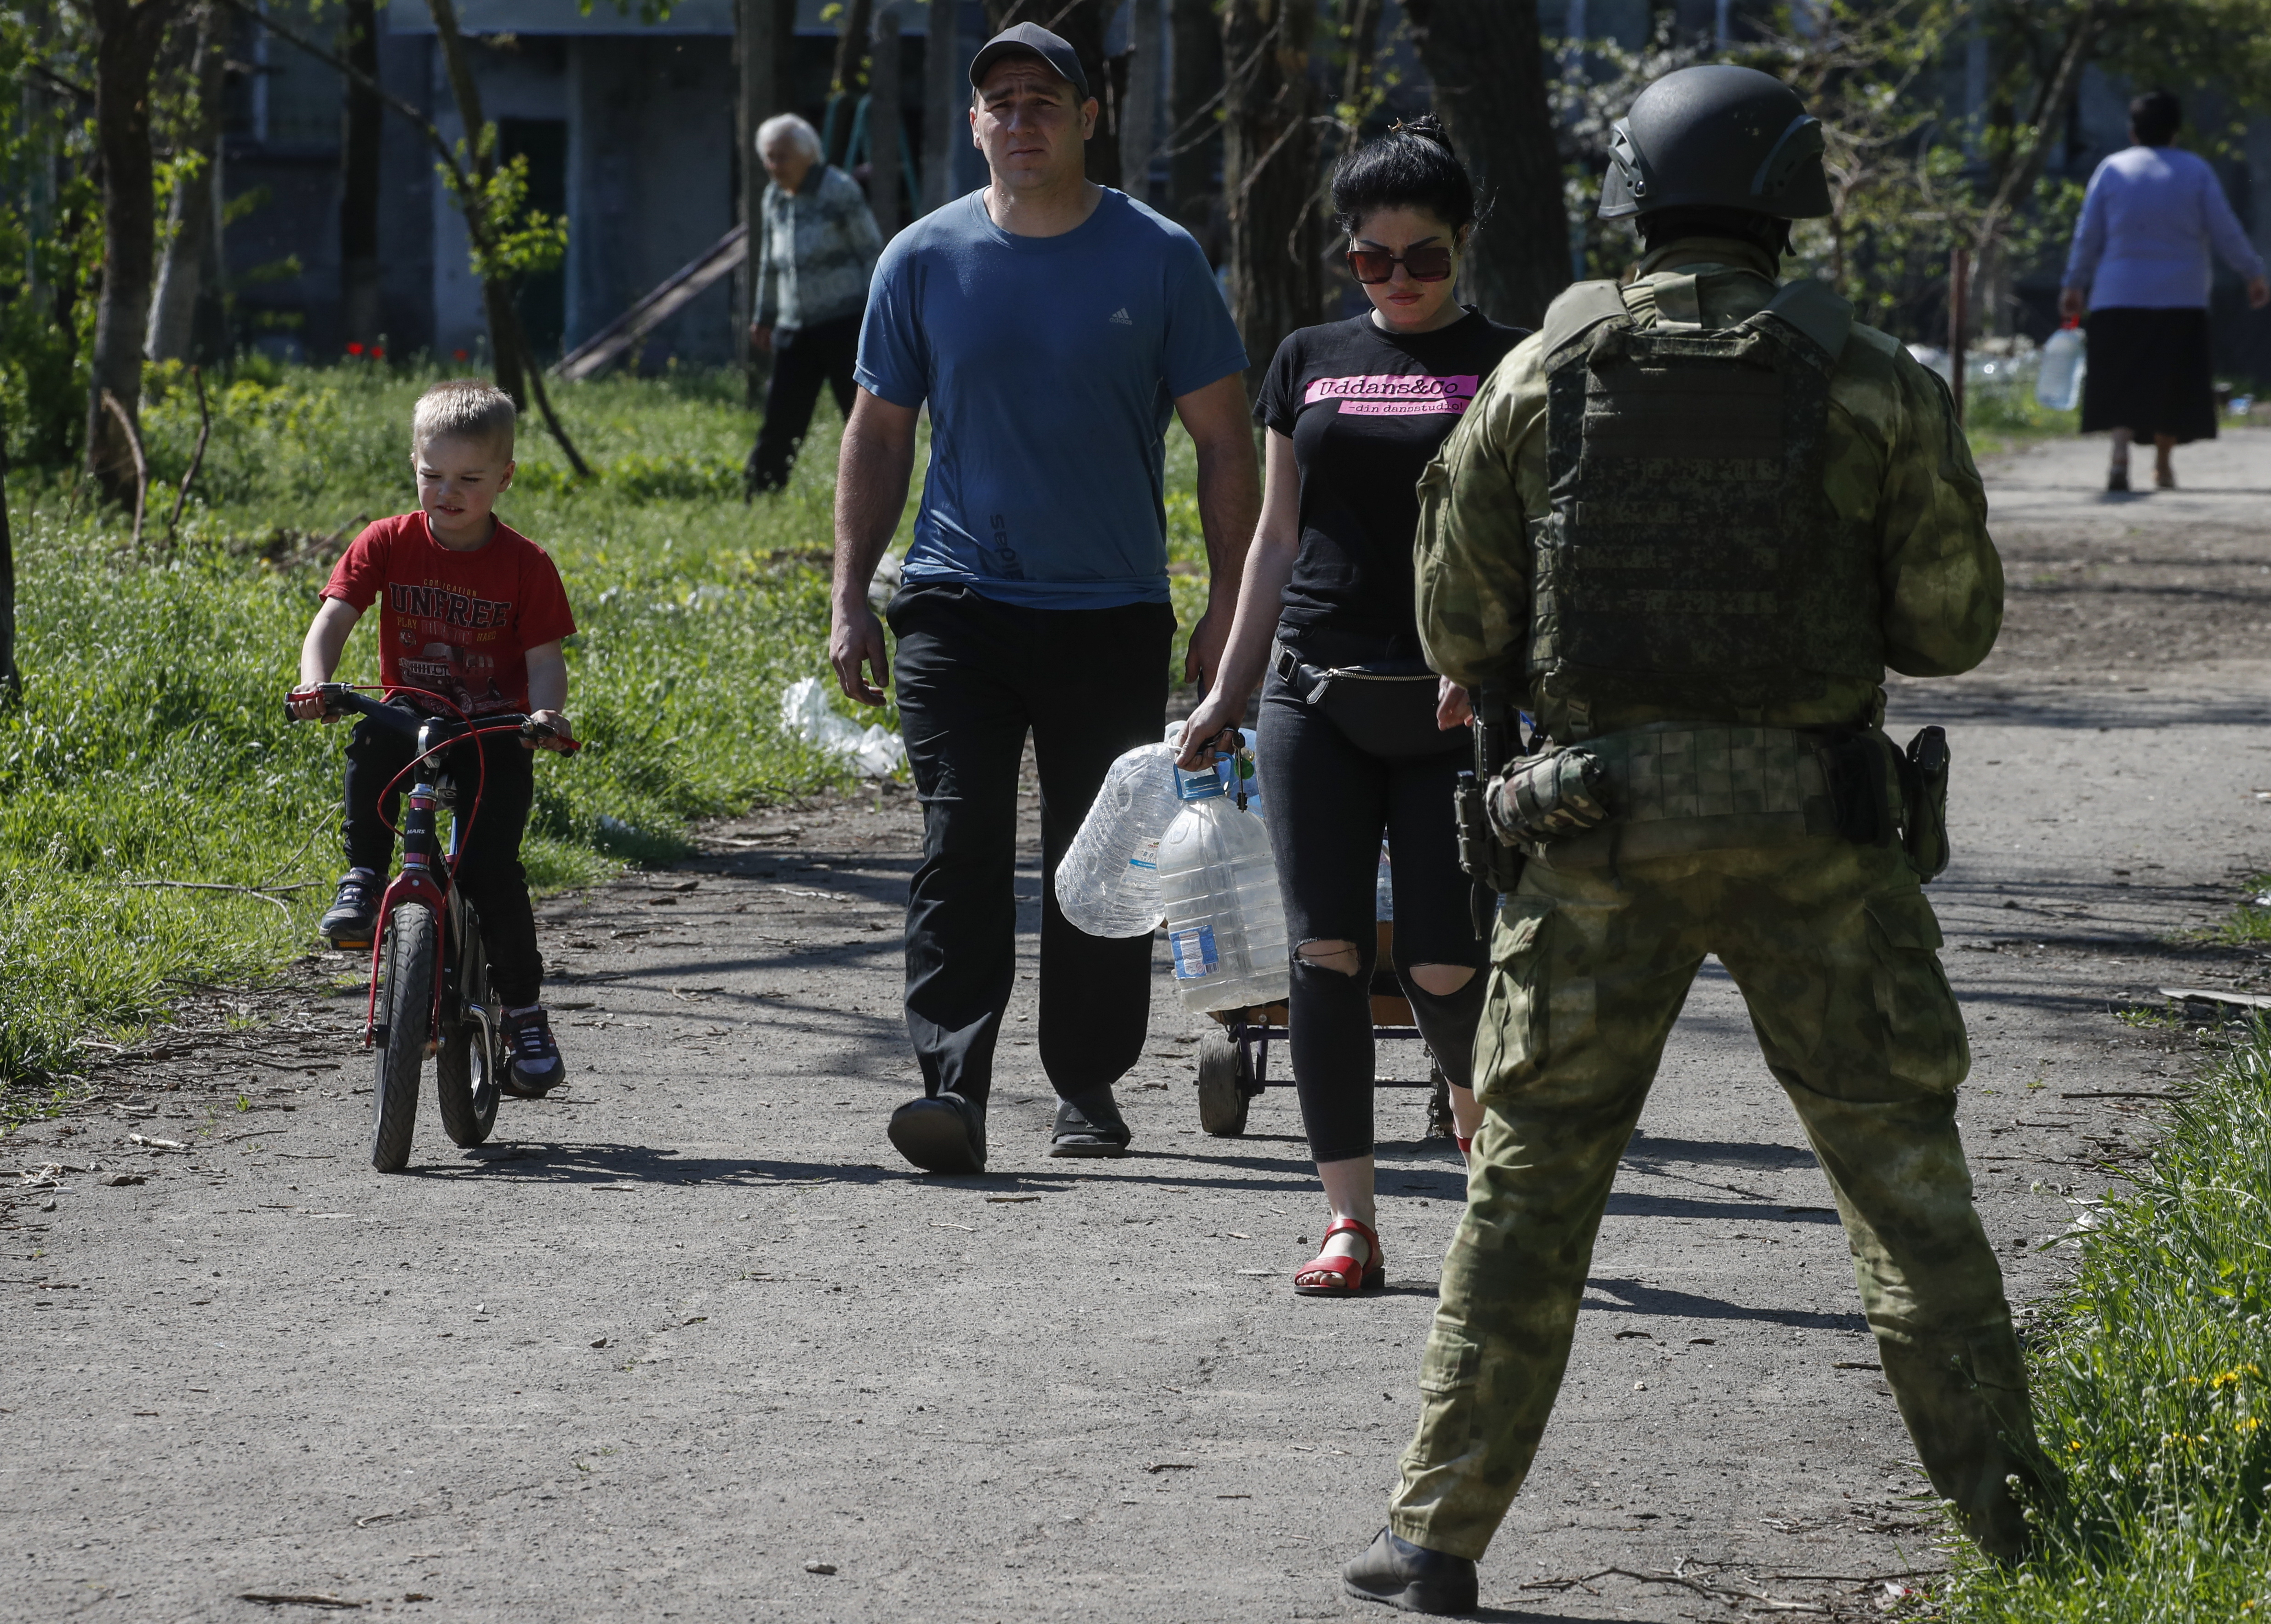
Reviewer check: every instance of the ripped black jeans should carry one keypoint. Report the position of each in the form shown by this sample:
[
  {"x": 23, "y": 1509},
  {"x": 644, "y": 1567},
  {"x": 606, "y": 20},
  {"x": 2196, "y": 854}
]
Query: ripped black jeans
[{"x": 1329, "y": 804}]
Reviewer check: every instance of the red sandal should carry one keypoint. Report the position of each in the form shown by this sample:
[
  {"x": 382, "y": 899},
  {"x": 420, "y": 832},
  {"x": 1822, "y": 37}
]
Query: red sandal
[{"x": 1332, "y": 1276}]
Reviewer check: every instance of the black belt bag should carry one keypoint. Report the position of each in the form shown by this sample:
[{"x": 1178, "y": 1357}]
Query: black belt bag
[{"x": 1385, "y": 707}]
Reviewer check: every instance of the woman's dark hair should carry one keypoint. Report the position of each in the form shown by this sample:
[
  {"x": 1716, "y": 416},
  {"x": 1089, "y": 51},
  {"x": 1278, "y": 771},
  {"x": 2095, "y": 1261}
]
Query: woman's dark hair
[
  {"x": 2154, "y": 117},
  {"x": 1411, "y": 166}
]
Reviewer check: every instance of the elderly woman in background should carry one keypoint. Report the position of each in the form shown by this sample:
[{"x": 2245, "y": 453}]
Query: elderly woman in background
[
  {"x": 816, "y": 248},
  {"x": 2140, "y": 265}
]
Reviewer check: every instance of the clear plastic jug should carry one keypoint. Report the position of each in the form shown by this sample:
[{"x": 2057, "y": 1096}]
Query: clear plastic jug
[
  {"x": 1108, "y": 883},
  {"x": 2065, "y": 362},
  {"x": 1225, "y": 920}
]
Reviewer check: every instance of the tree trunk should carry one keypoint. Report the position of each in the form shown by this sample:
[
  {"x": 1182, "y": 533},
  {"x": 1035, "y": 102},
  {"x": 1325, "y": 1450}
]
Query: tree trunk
[
  {"x": 1269, "y": 173},
  {"x": 946, "y": 102},
  {"x": 1194, "y": 138},
  {"x": 11, "y": 680},
  {"x": 761, "y": 36},
  {"x": 508, "y": 351},
  {"x": 886, "y": 199},
  {"x": 189, "y": 215},
  {"x": 1360, "y": 50},
  {"x": 1485, "y": 59},
  {"x": 843, "y": 88},
  {"x": 359, "y": 147},
  {"x": 1139, "y": 115},
  {"x": 2052, "y": 104},
  {"x": 127, "y": 36}
]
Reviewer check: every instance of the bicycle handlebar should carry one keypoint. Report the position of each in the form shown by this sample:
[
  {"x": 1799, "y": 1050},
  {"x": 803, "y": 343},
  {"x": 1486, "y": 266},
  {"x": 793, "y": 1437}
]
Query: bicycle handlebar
[{"x": 338, "y": 699}]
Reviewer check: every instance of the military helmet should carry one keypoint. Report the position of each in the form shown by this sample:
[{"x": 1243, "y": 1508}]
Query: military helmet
[{"x": 1717, "y": 137}]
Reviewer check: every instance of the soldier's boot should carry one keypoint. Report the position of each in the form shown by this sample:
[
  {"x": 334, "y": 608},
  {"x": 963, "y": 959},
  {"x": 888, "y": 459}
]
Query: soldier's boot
[{"x": 1963, "y": 1396}]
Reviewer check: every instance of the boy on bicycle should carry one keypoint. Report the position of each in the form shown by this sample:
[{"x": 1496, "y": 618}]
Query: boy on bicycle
[{"x": 474, "y": 616}]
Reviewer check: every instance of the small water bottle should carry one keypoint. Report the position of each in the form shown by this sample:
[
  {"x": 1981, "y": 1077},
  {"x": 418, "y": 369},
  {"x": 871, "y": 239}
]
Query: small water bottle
[
  {"x": 1383, "y": 889},
  {"x": 2066, "y": 360},
  {"x": 1218, "y": 886},
  {"x": 1108, "y": 883}
]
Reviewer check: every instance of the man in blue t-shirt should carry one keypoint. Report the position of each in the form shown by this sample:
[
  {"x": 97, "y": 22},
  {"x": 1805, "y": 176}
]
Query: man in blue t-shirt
[{"x": 1053, "y": 325}]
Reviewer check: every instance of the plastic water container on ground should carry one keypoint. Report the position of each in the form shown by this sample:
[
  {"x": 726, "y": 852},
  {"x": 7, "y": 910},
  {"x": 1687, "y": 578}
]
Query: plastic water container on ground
[
  {"x": 1225, "y": 920},
  {"x": 1108, "y": 883},
  {"x": 2066, "y": 362}
]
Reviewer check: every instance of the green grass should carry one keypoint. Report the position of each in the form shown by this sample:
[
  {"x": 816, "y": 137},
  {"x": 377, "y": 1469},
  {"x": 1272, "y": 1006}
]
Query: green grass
[
  {"x": 152, "y": 743},
  {"x": 1999, "y": 419},
  {"x": 2153, "y": 1387},
  {"x": 2249, "y": 925}
]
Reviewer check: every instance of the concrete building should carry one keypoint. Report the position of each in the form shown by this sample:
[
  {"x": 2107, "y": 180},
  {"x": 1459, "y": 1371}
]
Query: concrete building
[{"x": 628, "y": 129}]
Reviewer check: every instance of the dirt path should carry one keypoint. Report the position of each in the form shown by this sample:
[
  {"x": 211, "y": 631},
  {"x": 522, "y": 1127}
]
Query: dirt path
[{"x": 691, "y": 1327}]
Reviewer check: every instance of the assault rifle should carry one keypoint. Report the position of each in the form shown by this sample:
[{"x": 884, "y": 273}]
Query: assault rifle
[{"x": 1492, "y": 866}]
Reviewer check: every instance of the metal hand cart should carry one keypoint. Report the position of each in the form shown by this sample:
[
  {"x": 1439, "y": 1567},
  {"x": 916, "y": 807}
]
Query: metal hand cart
[{"x": 1234, "y": 1057}]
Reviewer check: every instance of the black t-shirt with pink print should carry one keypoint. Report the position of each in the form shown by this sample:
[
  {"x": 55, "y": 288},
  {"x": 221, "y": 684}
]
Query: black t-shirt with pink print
[{"x": 1367, "y": 410}]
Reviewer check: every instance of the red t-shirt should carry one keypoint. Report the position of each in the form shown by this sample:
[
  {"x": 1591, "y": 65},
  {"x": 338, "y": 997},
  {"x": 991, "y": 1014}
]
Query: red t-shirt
[{"x": 457, "y": 624}]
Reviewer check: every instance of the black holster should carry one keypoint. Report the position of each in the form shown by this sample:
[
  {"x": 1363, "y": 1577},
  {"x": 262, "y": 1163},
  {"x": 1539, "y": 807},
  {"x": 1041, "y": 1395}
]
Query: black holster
[{"x": 1495, "y": 868}]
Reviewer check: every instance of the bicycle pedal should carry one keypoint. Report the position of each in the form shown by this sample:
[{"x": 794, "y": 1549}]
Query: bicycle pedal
[{"x": 347, "y": 944}]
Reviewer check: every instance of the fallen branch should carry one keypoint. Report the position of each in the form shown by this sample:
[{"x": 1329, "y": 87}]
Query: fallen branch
[
  {"x": 1717, "y": 1592},
  {"x": 197, "y": 458},
  {"x": 141, "y": 463}
]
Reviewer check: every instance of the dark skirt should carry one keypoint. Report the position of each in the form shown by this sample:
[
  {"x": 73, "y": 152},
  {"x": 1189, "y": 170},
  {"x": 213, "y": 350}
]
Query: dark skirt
[{"x": 2151, "y": 373}]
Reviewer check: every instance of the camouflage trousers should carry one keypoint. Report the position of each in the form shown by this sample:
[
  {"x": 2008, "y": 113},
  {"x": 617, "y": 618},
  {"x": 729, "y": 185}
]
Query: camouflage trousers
[{"x": 1833, "y": 948}]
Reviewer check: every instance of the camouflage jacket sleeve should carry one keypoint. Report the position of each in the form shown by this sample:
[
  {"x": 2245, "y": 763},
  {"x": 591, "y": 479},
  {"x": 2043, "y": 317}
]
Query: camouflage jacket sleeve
[
  {"x": 1943, "y": 582},
  {"x": 1477, "y": 502}
]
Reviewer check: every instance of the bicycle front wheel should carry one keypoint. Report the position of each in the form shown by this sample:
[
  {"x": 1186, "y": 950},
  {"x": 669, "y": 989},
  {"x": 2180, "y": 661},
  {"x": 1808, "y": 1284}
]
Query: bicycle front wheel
[
  {"x": 466, "y": 1068},
  {"x": 405, "y": 1003}
]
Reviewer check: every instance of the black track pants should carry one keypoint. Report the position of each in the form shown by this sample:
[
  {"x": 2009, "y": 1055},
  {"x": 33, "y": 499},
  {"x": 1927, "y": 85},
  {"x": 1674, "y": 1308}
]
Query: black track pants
[
  {"x": 974, "y": 675},
  {"x": 804, "y": 358},
  {"x": 491, "y": 874}
]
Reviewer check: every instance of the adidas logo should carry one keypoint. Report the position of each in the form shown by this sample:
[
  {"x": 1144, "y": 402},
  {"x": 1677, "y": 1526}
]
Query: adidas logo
[{"x": 1120, "y": 318}]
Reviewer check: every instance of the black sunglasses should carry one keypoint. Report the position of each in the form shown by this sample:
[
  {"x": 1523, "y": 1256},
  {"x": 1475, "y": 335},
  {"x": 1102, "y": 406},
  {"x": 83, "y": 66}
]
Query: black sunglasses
[{"x": 1431, "y": 263}]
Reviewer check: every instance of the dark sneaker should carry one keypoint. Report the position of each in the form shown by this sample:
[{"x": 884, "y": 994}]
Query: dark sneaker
[
  {"x": 352, "y": 919},
  {"x": 945, "y": 1134},
  {"x": 1411, "y": 1577},
  {"x": 1090, "y": 1124},
  {"x": 533, "y": 1068}
]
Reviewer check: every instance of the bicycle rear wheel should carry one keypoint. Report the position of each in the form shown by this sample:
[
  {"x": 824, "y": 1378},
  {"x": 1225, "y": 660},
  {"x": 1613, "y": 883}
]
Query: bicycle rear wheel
[
  {"x": 468, "y": 1067},
  {"x": 405, "y": 1003}
]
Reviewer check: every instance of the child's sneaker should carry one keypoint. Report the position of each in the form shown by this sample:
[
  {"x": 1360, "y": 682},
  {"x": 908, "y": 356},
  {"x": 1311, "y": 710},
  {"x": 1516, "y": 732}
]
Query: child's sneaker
[
  {"x": 351, "y": 920},
  {"x": 535, "y": 1069}
]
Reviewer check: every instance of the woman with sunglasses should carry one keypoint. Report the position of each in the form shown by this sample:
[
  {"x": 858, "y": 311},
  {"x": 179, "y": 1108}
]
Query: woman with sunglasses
[{"x": 1358, "y": 739}]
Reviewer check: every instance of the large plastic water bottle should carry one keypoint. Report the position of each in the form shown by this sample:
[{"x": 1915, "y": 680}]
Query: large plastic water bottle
[
  {"x": 1108, "y": 883},
  {"x": 2066, "y": 360},
  {"x": 1225, "y": 921}
]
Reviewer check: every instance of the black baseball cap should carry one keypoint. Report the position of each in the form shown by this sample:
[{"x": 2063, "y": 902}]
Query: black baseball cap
[{"x": 1029, "y": 40}]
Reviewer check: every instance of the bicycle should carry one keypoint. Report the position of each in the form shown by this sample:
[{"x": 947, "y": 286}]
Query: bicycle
[{"x": 430, "y": 986}]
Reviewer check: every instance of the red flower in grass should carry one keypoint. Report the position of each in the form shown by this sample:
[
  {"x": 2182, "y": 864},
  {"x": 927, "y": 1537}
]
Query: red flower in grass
[
  {"x": 378, "y": 351},
  {"x": 458, "y": 355},
  {"x": 354, "y": 349}
]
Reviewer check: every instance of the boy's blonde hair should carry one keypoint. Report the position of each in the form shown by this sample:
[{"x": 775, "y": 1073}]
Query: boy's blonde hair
[{"x": 464, "y": 409}]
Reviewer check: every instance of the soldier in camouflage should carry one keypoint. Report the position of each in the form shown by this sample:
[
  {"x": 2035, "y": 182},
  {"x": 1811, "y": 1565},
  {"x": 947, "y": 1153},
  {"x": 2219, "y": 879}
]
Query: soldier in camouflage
[{"x": 1688, "y": 525}]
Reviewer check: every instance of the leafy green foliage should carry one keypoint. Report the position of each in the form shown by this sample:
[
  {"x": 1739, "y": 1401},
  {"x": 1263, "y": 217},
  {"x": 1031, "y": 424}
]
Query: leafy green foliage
[
  {"x": 50, "y": 238},
  {"x": 2153, "y": 1388}
]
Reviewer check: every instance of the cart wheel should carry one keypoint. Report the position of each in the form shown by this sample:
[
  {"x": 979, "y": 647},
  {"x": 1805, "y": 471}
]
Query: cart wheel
[
  {"x": 1440, "y": 1123},
  {"x": 1222, "y": 1103}
]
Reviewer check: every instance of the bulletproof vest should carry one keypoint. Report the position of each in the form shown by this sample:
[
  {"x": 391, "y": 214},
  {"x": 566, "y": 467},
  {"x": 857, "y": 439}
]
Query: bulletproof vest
[{"x": 1692, "y": 560}]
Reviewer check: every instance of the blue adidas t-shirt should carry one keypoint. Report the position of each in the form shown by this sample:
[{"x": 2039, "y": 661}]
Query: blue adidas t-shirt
[{"x": 1052, "y": 365}]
